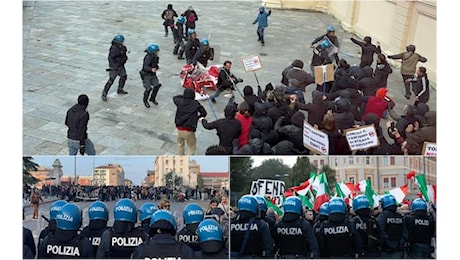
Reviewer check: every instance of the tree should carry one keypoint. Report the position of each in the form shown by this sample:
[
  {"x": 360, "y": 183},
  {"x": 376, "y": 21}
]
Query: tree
[
  {"x": 330, "y": 174},
  {"x": 271, "y": 169},
  {"x": 28, "y": 165},
  {"x": 169, "y": 180},
  {"x": 200, "y": 182},
  {"x": 300, "y": 172},
  {"x": 240, "y": 174}
]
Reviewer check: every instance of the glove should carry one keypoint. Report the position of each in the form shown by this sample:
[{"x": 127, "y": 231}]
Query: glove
[{"x": 82, "y": 149}]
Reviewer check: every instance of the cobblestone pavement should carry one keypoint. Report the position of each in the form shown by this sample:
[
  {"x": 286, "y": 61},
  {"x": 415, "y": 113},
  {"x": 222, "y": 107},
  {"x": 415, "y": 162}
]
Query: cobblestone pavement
[{"x": 65, "y": 47}]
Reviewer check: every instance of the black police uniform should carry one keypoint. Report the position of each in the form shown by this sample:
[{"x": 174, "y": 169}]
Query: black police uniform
[
  {"x": 28, "y": 240},
  {"x": 202, "y": 56},
  {"x": 162, "y": 246},
  {"x": 150, "y": 78},
  {"x": 187, "y": 236},
  {"x": 179, "y": 47},
  {"x": 394, "y": 233},
  {"x": 294, "y": 238},
  {"x": 212, "y": 250},
  {"x": 65, "y": 244},
  {"x": 421, "y": 229},
  {"x": 94, "y": 231},
  {"x": 117, "y": 59},
  {"x": 191, "y": 47},
  {"x": 259, "y": 242},
  {"x": 317, "y": 224},
  {"x": 50, "y": 229},
  {"x": 370, "y": 233},
  {"x": 338, "y": 238},
  {"x": 120, "y": 240}
]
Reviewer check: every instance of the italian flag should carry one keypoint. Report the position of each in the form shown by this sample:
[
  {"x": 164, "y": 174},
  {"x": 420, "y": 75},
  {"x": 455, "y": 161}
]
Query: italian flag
[
  {"x": 421, "y": 183},
  {"x": 272, "y": 205},
  {"x": 399, "y": 193},
  {"x": 366, "y": 187},
  {"x": 321, "y": 187}
]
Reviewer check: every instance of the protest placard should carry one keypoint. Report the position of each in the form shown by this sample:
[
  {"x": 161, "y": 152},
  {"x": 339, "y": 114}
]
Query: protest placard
[
  {"x": 252, "y": 63},
  {"x": 361, "y": 138},
  {"x": 272, "y": 189},
  {"x": 429, "y": 149},
  {"x": 314, "y": 139}
]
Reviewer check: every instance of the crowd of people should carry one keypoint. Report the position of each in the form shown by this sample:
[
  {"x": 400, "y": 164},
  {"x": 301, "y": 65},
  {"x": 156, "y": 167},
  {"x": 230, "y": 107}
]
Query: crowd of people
[
  {"x": 150, "y": 231},
  {"x": 337, "y": 230}
]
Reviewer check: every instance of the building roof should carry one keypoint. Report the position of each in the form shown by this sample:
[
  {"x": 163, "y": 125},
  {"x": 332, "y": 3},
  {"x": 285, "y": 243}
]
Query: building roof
[{"x": 214, "y": 174}]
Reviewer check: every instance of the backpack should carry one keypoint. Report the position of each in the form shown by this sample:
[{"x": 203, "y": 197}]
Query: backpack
[{"x": 191, "y": 18}]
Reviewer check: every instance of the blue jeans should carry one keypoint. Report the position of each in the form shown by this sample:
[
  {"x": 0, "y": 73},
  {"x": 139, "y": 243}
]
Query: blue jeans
[{"x": 74, "y": 147}]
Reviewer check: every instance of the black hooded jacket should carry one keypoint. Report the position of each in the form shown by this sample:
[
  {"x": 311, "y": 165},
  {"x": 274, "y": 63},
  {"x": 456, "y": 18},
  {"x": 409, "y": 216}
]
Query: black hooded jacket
[
  {"x": 117, "y": 55},
  {"x": 317, "y": 108},
  {"x": 77, "y": 120},
  {"x": 188, "y": 110}
]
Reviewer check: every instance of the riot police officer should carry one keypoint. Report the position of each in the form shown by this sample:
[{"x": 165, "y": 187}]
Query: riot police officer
[
  {"x": 262, "y": 213},
  {"x": 149, "y": 74},
  {"x": 145, "y": 215},
  {"x": 117, "y": 59},
  {"x": 54, "y": 209},
  {"x": 392, "y": 227},
  {"x": 98, "y": 215},
  {"x": 66, "y": 242},
  {"x": 211, "y": 240},
  {"x": 337, "y": 237},
  {"x": 192, "y": 46},
  {"x": 192, "y": 214},
  {"x": 323, "y": 215},
  {"x": 120, "y": 240},
  {"x": 366, "y": 226},
  {"x": 293, "y": 235},
  {"x": 421, "y": 228},
  {"x": 178, "y": 33},
  {"x": 203, "y": 54},
  {"x": 162, "y": 243},
  {"x": 250, "y": 237}
]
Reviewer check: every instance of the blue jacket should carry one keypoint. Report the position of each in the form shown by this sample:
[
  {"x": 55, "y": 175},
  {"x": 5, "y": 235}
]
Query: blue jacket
[{"x": 262, "y": 17}]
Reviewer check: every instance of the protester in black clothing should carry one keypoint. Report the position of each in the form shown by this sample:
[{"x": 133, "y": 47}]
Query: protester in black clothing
[
  {"x": 338, "y": 144},
  {"x": 186, "y": 119},
  {"x": 149, "y": 74},
  {"x": 76, "y": 120},
  {"x": 117, "y": 59},
  {"x": 203, "y": 53},
  {"x": 384, "y": 147},
  {"x": 367, "y": 50},
  {"x": 255, "y": 146},
  {"x": 191, "y": 17},
  {"x": 303, "y": 78},
  {"x": 284, "y": 105},
  {"x": 381, "y": 72},
  {"x": 178, "y": 34},
  {"x": 250, "y": 98},
  {"x": 317, "y": 108},
  {"x": 293, "y": 131},
  {"x": 225, "y": 80},
  {"x": 168, "y": 16},
  {"x": 344, "y": 118},
  {"x": 228, "y": 128},
  {"x": 262, "y": 123},
  {"x": 420, "y": 86}
]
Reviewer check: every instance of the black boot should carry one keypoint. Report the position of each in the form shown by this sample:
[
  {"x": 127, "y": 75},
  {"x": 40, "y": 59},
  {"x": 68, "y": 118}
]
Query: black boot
[
  {"x": 154, "y": 94},
  {"x": 121, "y": 91},
  {"x": 146, "y": 96},
  {"x": 121, "y": 85},
  {"x": 106, "y": 90}
]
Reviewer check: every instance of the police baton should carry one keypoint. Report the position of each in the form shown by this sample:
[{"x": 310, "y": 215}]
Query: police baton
[{"x": 47, "y": 220}]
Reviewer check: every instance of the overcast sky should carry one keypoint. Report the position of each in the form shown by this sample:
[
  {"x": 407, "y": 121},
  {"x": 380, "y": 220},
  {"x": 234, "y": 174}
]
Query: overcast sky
[{"x": 135, "y": 167}]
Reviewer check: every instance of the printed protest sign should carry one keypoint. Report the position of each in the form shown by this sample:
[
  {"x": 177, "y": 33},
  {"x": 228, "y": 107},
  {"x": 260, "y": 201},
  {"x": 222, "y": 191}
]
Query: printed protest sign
[
  {"x": 429, "y": 149},
  {"x": 273, "y": 189},
  {"x": 252, "y": 63},
  {"x": 314, "y": 139},
  {"x": 362, "y": 137}
]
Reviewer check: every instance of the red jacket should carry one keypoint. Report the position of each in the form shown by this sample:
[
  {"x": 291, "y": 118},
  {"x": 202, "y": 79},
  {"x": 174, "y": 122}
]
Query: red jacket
[
  {"x": 376, "y": 106},
  {"x": 246, "y": 123}
]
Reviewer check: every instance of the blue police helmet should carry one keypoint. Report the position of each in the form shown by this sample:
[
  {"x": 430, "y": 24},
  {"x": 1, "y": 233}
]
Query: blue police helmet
[
  {"x": 293, "y": 204},
  {"x": 330, "y": 28},
  {"x": 125, "y": 210},
  {"x": 193, "y": 213},
  {"x": 324, "y": 209},
  {"x": 146, "y": 211},
  {"x": 181, "y": 20},
  {"x": 190, "y": 31},
  {"x": 208, "y": 230},
  {"x": 248, "y": 203},
  {"x": 69, "y": 217},
  {"x": 98, "y": 210},
  {"x": 163, "y": 214},
  {"x": 153, "y": 47},
  {"x": 204, "y": 42},
  {"x": 55, "y": 208},
  {"x": 360, "y": 202},
  {"x": 337, "y": 205},
  {"x": 419, "y": 204},
  {"x": 261, "y": 202},
  {"x": 119, "y": 38},
  {"x": 388, "y": 200},
  {"x": 325, "y": 44}
]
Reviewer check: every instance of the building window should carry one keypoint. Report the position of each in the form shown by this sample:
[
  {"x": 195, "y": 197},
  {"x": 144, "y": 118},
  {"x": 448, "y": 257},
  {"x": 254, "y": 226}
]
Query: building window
[
  {"x": 321, "y": 162},
  {"x": 351, "y": 179},
  {"x": 350, "y": 160},
  {"x": 385, "y": 183},
  {"x": 393, "y": 182},
  {"x": 368, "y": 160},
  {"x": 384, "y": 161},
  {"x": 392, "y": 160},
  {"x": 166, "y": 162},
  {"x": 335, "y": 162}
]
